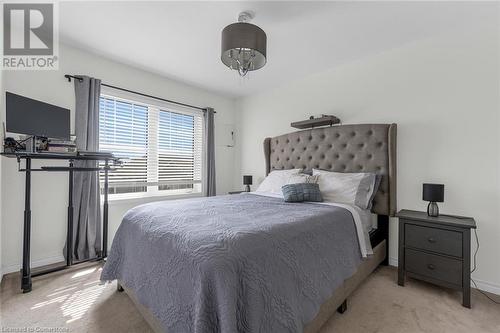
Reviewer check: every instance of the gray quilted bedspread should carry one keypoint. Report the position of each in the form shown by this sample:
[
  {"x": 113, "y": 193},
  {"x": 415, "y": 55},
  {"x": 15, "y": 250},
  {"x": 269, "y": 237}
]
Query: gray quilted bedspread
[{"x": 237, "y": 263}]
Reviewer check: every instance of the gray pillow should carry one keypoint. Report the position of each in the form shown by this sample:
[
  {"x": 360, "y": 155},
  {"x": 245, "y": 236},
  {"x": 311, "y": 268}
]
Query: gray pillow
[
  {"x": 301, "y": 192},
  {"x": 366, "y": 190}
]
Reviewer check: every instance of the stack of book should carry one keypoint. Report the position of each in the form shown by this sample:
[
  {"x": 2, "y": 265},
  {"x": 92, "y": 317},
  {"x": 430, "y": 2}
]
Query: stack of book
[{"x": 61, "y": 146}]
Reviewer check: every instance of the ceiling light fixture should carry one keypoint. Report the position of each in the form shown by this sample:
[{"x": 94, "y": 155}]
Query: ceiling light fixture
[{"x": 243, "y": 45}]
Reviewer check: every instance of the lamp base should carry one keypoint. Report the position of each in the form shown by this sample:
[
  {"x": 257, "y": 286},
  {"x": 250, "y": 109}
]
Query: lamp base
[{"x": 433, "y": 209}]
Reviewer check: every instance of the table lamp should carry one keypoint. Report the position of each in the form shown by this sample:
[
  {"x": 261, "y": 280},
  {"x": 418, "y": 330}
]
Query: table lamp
[
  {"x": 433, "y": 193},
  {"x": 247, "y": 180}
]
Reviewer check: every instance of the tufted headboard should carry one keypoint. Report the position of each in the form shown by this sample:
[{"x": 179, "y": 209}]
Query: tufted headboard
[{"x": 344, "y": 148}]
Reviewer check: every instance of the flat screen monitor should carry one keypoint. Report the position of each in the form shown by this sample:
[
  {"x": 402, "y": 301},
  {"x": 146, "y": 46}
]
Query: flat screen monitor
[{"x": 31, "y": 117}]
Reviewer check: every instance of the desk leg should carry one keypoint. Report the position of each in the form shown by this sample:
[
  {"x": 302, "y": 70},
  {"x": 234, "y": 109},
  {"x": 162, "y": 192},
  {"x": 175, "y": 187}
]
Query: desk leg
[
  {"x": 69, "y": 236},
  {"x": 105, "y": 212},
  {"x": 26, "y": 270}
]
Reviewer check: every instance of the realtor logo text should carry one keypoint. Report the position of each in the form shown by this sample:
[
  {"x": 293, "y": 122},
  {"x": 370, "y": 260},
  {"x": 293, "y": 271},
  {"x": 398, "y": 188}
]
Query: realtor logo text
[{"x": 29, "y": 36}]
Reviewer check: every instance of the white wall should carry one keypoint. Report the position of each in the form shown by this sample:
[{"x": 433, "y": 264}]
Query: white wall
[
  {"x": 49, "y": 196},
  {"x": 443, "y": 93}
]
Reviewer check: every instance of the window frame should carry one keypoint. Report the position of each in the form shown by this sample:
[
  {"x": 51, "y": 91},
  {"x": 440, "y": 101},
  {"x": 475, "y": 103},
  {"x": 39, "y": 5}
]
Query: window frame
[{"x": 156, "y": 106}]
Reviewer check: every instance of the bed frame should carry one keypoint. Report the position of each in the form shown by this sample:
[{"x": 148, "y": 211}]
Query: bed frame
[{"x": 344, "y": 148}]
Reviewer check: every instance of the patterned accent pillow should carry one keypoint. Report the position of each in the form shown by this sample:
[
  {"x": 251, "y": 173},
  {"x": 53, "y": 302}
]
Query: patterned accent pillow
[
  {"x": 301, "y": 192},
  {"x": 302, "y": 178}
]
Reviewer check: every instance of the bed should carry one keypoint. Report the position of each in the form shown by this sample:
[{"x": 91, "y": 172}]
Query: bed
[{"x": 251, "y": 263}]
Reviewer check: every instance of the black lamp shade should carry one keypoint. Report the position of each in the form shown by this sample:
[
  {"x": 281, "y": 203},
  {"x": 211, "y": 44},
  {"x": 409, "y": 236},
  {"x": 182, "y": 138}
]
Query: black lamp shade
[
  {"x": 247, "y": 180},
  {"x": 244, "y": 36},
  {"x": 433, "y": 192}
]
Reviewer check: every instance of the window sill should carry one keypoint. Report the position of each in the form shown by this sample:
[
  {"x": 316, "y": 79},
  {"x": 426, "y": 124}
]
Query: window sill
[{"x": 148, "y": 197}]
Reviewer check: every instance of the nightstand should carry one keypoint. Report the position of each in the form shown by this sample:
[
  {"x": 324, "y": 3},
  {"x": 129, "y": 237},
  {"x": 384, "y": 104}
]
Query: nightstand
[{"x": 436, "y": 250}]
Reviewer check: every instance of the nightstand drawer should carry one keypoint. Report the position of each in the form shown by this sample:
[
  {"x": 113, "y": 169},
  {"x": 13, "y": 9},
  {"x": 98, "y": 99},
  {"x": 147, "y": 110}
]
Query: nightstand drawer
[
  {"x": 433, "y": 239},
  {"x": 434, "y": 266}
]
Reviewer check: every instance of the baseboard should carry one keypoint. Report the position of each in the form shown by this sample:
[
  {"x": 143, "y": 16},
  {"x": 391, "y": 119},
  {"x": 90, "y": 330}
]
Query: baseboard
[
  {"x": 393, "y": 261},
  {"x": 481, "y": 284},
  {"x": 487, "y": 286},
  {"x": 35, "y": 263}
]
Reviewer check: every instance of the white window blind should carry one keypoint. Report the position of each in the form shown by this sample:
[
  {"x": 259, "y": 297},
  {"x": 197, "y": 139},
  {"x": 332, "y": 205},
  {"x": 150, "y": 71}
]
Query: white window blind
[
  {"x": 179, "y": 150},
  {"x": 161, "y": 147}
]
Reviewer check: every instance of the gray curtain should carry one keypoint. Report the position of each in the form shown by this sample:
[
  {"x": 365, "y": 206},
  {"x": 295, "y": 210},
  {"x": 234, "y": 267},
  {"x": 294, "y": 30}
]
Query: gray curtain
[
  {"x": 86, "y": 191},
  {"x": 209, "y": 179}
]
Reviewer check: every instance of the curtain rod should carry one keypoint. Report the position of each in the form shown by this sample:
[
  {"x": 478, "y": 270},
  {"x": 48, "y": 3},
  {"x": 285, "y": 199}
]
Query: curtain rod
[{"x": 69, "y": 77}]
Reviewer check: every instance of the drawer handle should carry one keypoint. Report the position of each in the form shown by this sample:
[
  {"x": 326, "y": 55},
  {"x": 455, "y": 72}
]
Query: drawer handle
[
  {"x": 431, "y": 240},
  {"x": 431, "y": 267}
]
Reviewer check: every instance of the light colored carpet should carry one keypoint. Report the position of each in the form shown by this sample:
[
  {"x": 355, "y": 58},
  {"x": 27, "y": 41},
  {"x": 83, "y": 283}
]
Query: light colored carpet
[{"x": 75, "y": 301}]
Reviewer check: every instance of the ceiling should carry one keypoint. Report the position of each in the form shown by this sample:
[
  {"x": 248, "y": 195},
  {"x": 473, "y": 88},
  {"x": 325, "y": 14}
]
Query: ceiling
[{"x": 181, "y": 40}]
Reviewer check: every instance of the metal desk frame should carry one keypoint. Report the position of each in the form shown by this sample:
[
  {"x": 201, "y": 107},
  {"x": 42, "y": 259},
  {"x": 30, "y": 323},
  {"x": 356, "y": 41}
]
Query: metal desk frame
[{"x": 109, "y": 162}]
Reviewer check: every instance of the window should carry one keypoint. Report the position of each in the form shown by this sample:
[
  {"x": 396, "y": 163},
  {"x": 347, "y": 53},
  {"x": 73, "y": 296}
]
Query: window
[{"x": 161, "y": 147}]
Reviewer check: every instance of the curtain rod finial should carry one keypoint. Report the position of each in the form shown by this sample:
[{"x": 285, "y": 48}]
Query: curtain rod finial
[{"x": 69, "y": 77}]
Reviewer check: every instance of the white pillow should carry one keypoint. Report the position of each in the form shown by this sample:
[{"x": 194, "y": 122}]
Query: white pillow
[
  {"x": 275, "y": 180},
  {"x": 350, "y": 188}
]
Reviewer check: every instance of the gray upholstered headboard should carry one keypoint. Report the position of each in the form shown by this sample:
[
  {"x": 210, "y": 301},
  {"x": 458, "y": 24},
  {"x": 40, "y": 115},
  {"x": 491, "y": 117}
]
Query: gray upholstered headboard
[{"x": 344, "y": 148}]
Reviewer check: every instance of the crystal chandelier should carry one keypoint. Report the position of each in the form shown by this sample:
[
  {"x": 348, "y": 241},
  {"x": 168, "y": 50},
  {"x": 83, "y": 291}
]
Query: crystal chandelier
[{"x": 243, "y": 45}]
